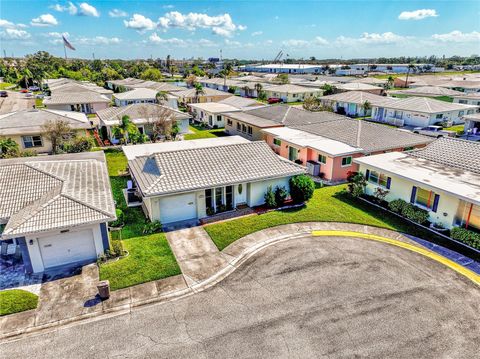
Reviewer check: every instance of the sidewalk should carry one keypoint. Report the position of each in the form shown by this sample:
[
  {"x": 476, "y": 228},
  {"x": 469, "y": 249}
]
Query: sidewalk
[{"x": 73, "y": 299}]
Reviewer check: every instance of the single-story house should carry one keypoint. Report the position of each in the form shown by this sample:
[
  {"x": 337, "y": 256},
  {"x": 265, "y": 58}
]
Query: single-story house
[
  {"x": 442, "y": 178},
  {"x": 467, "y": 86},
  {"x": 360, "y": 86},
  {"x": 211, "y": 113},
  {"x": 472, "y": 125},
  {"x": 75, "y": 97},
  {"x": 472, "y": 98},
  {"x": 47, "y": 210},
  {"x": 178, "y": 184},
  {"x": 351, "y": 103},
  {"x": 209, "y": 95},
  {"x": 291, "y": 93},
  {"x": 219, "y": 83},
  {"x": 26, "y": 127},
  {"x": 132, "y": 83},
  {"x": 69, "y": 85},
  {"x": 370, "y": 81},
  {"x": 327, "y": 149},
  {"x": 143, "y": 115},
  {"x": 138, "y": 95},
  {"x": 427, "y": 91}
]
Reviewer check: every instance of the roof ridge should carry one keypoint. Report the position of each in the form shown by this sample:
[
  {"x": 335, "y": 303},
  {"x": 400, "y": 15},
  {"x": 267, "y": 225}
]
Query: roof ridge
[
  {"x": 85, "y": 204},
  {"x": 30, "y": 165}
]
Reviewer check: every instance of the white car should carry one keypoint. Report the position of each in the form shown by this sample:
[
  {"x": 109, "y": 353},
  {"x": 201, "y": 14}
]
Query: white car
[{"x": 434, "y": 131}]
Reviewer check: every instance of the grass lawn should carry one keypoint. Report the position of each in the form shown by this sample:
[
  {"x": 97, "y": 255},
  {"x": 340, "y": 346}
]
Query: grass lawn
[
  {"x": 150, "y": 258},
  {"x": 328, "y": 204},
  {"x": 38, "y": 103},
  {"x": 444, "y": 98},
  {"x": 16, "y": 300},
  {"x": 459, "y": 129},
  {"x": 4, "y": 85},
  {"x": 199, "y": 133}
]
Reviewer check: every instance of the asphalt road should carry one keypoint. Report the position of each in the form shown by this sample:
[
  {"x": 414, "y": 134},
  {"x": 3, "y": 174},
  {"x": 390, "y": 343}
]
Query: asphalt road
[
  {"x": 16, "y": 101},
  {"x": 304, "y": 298}
]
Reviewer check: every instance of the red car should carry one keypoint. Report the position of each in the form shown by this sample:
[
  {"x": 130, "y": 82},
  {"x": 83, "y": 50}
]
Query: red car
[
  {"x": 24, "y": 91},
  {"x": 274, "y": 100}
]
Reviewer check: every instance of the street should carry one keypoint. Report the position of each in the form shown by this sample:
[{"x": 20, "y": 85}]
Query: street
[
  {"x": 16, "y": 101},
  {"x": 302, "y": 298}
]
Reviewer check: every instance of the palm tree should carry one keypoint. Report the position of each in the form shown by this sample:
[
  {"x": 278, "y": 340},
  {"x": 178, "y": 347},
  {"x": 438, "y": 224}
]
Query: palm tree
[
  {"x": 198, "y": 91},
  {"x": 125, "y": 127},
  {"x": 258, "y": 87},
  {"x": 410, "y": 68},
  {"x": 25, "y": 74},
  {"x": 161, "y": 97},
  {"x": 390, "y": 82},
  {"x": 365, "y": 107}
]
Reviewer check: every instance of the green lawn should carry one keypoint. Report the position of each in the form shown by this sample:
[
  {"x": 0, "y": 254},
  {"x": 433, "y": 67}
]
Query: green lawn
[
  {"x": 16, "y": 300},
  {"x": 329, "y": 204},
  {"x": 459, "y": 129},
  {"x": 199, "y": 133},
  {"x": 150, "y": 258},
  {"x": 4, "y": 85}
]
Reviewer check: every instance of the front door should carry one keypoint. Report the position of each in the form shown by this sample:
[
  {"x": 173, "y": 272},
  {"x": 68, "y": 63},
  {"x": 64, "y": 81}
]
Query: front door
[{"x": 292, "y": 153}]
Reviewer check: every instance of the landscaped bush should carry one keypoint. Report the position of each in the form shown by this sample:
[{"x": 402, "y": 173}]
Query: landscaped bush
[
  {"x": 356, "y": 183},
  {"x": 466, "y": 236},
  {"x": 415, "y": 213},
  {"x": 120, "y": 219},
  {"x": 116, "y": 248},
  {"x": 397, "y": 205},
  {"x": 281, "y": 195},
  {"x": 301, "y": 188},
  {"x": 269, "y": 198},
  {"x": 16, "y": 300},
  {"x": 152, "y": 227},
  {"x": 78, "y": 144}
]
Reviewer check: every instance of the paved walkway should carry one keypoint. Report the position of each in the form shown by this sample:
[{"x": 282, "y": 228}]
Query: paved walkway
[{"x": 203, "y": 265}]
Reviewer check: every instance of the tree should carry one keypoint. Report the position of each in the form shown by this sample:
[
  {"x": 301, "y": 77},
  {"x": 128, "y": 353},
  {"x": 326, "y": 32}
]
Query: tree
[
  {"x": 258, "y": 87},
  {"x": 198, "y": 91},
  {"x": 301, "y": 188},
  {"x": 328, "y": 89},
  {"x": 191, "y": 80},
  {"x": 162, "y": 119},
  {"x": 366, "y": 106},
  {"x": 356, "y": 183},
  {"x": 410, "y": 68},
  {"x": 57, "y": 132},
  {"x": 269, "y": 198},
  {"x": 390, "y": 82},
  {"x": 161, "y": 97},
  {"x": 282, "y": 79},
  {"x": 124, "y": 129},
  {"x": 175, "y": 129},
  {"x": 151, "y": 74},
  {"x": 262, "y": 95},
  {"x": 8, "y": 147}
]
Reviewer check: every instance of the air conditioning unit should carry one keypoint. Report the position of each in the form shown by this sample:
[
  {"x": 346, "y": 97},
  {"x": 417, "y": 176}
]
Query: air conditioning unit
[{"x": 313, "y": 168}]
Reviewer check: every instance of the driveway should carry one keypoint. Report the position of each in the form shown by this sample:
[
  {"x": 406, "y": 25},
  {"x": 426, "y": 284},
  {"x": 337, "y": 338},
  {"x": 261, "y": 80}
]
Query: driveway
[
  {"x": 16, "y": 101},
  {"x": 310, "y": 297}
]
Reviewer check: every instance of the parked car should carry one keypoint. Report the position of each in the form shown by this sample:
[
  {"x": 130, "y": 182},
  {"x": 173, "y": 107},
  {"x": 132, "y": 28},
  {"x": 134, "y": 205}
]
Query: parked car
[
  {"x": 29, "y": 94},
  {"x": 34, "y": 88},
  {"x": 23, "y": 91},
  {"x": 3, "y": 94},
  {"x": 274, "y": 100},
  {"x": 434, "y": 131},
  {"x": 40, "y": 95}
]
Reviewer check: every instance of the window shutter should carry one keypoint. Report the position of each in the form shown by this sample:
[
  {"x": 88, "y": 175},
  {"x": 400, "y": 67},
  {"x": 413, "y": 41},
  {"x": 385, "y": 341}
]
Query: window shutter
[
  {"x": 389, "y": 182},
  {"x": 367, "y": 175},
  {"x": 414, "y": 194},
  {"x": 435, "y": 203}
]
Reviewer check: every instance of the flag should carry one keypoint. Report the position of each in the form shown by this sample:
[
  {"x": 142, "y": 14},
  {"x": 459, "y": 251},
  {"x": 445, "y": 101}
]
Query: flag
[{"x": 67, "y": 44}]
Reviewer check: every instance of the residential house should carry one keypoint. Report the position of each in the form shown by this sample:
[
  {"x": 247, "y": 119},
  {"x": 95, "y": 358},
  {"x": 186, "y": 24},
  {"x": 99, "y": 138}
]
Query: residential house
[
  {"x": 131, "y": 83},
  {"x": 179, "y": 184},
  {"x": 69, "y": 85},
  {"x": 472, "y": 126},
  {"x": 47, "y": 210},
  {"x": 351, "y": 103},
  {"x": 142, "y": 115},
  {"x": 26, "y": 127},
  {"x": 442, "y": 178},
  {"x": 208, "y": 95},
  {"x": 467, "y": 86},
  {"x": 427, "y": 91},
  {"x": 472, "y": 98},
  {"x": 211, "y": 113},
  {"x": 359, "y": 86},
  {"x": 328, "y": 146},
  {"x": 291, "y": 93},
  {"x": 75, "y": 97},
  {"x": 370, "y": 81}
]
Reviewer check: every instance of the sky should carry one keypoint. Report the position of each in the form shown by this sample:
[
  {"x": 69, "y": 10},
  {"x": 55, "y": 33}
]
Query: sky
[{"x": 241, "y": 29}]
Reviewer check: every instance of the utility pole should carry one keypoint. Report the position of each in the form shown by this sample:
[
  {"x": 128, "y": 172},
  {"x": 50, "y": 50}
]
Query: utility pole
[{"x": 93, "y": 55}]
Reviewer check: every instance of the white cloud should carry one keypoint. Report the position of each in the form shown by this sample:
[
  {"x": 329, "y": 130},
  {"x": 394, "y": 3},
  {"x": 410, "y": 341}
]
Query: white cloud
[
  {"x": 372, "y": 38},
  {"x": 88, "y": 10},
  {"x": 154, "y": 38},
  {"x": 458, "y": 36},
  {"x": 220, "y": 25},
  {"x": 117, "y": 13},
  {"x": 320, "y": 41},
  {"x": 10, "y": 25},
  {"x": 55, "y": 38},
  {"x": 295, "y": 43},
  {"x": 97, "y": 40},
  {"x": 168, "y": 6},
  {"x": 140, "y": 23},
  {"x": 14, "y": 34},
  {"x": 417, "y": 14},
  {"x": 44, "y": 20},
  {"x": 257, "y": 33},
  {"x": 70, "y": 8}
]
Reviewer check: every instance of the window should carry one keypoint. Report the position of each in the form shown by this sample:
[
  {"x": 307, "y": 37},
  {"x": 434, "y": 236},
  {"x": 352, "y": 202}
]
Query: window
[
  {"x": 219, "y": 118},
  {"x": 239, "y": 127},
  {"x": 250, "y": 130},
  {"x": 462, "y": 101},
  {"x": 277, "y": 142},
  {"x": 461, "y": 113},
  {"x": 424, "y": 198},
  {"x": 322, "y": 159},
  {"x": 32, "y": 141},
  {"x": 244, "y": 128},
  {"x": 346, "y": 161},
  {"x": 373, "y": 177},
  {"x": 229, "y": 122},
  {"x": 469, "y": 112},
  {"x": 439, "y": 116}
]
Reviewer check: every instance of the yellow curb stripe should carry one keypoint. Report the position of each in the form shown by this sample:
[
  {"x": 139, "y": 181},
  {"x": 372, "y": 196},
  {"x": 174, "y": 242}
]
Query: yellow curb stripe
[{"x": 425, "y": 252}]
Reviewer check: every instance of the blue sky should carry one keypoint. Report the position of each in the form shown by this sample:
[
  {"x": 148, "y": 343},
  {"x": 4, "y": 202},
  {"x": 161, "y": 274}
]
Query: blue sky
[{"x": 242, "y": 29}]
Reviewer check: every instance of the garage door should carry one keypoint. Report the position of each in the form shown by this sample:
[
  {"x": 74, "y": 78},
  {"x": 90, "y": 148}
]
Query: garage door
[
  {"x": 68, "y": 248},
  {"x": 178, "y": 208}
]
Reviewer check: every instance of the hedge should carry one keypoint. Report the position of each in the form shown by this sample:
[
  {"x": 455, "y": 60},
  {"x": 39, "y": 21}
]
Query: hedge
[{"x": 466, "y": 236}]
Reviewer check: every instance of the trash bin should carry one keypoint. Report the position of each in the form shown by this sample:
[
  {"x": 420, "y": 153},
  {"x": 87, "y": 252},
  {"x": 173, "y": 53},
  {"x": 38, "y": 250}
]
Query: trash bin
[{"x": 104, "y": 289}]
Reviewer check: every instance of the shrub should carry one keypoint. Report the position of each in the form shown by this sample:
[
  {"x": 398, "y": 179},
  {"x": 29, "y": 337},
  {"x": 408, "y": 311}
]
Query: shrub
[
  {"x": 78, "y": 144},
  {"x": 116, "y": 248},
  {"x": 301, "y": 188},
  {"x": 281, "y": 195},
  {"x": 397, "y": 205},
  {"x": 152, "y": 227},
  {"x": 415, "y": 213},
  {"x": 356, "y": 183},
  {"x": 270, "y": 198},
  {"x": 120, "y": 219},
  {"x": 466, "y": 236}
]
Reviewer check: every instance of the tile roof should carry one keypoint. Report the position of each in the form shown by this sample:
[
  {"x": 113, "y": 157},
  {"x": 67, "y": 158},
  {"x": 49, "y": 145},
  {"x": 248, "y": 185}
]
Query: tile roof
[
  {"x": 359, "y": 97},
  {"x": 137, "y": 111},
  {"x": 358, "y": 86},
  {"x": 426, "y": 105},
  {"x": 52, "y": 192},
  {"x": 207, "y": 93},
  {"x": 67, "y": 98},
  {"x": 429, "y": 91},
  {"x": 290, "y": 88},
  {"x": 31, "y": 121},
  {"x": 451, "y": 152},
  {"x": 199, "y": 168},
  {"x": 139, "y": 93}
]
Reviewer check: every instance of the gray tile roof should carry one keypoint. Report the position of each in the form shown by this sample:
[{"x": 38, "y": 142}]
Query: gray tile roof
[
  {"x": 359, "y": 97},
  {"x": 199, "y": 168},
  {"x": 208, "y": 92},
  {"x": 67, "y": 98},
  {"x": 429, "y": 91},
  {"x": 452, "y": 152},
  {"x": 53, "y": 192}
]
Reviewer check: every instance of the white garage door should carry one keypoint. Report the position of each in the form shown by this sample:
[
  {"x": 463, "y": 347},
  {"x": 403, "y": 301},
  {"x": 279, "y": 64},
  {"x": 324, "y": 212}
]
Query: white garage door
[
  {"x": 67, "y": 248},
  {"x": 178, "y": 208}
]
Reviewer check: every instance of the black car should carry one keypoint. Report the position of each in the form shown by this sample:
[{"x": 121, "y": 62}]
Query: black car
[{"x": 3, "y": 94}]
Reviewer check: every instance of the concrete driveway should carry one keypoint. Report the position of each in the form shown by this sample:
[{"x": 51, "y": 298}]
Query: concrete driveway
[
  {"x": 16, "y": 101},
  {"x": 325, "y": 297}
]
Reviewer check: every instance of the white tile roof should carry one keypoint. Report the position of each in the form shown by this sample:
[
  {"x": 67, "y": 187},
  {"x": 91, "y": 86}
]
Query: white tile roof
[
  {"x": 357, "y": 86},
  {"x": 193, "y": 169},
  {"x": 53, "y": 192},
  {"x": 289, "y": 88},
  {"x": 359, "y": 97},
  {"x": 137, "y": 94},
  {"x": 428, "y": 91},
  {"x": 208, "y": 92}
]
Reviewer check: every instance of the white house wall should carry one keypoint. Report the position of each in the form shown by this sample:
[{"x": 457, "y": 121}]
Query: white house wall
[{"x": 257, "y": 190}]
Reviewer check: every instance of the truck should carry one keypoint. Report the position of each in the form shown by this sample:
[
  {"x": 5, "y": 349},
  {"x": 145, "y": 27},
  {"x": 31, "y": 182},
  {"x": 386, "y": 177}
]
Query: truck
[{"x": 434, "y": 131}]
